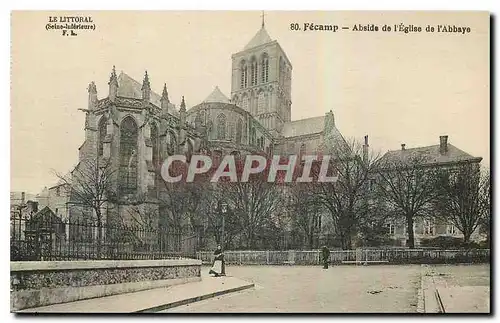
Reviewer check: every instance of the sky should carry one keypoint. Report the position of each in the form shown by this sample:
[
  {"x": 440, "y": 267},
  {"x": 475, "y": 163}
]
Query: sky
[{"x": 394, "y": 87}]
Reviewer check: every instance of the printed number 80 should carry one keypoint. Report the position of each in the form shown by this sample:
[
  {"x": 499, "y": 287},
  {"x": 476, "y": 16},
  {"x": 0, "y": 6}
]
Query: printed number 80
[{"x": 294, "y": 26}]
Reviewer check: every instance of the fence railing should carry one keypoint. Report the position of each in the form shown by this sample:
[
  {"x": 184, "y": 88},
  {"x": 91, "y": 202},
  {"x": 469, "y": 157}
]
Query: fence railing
[
  {"x": 52, "y": 239},
  {"x": 359, "y": 256}
]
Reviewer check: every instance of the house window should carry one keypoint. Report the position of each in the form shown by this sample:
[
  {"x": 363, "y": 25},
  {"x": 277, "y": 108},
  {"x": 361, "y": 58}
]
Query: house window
[
  {"x": 405, "y": 229},
  {"x": 428, "y": 227},
  {"x": 371, "y": 184},
  {"x": 451, "y": 229},
  {"x": 391, "y": 228}
]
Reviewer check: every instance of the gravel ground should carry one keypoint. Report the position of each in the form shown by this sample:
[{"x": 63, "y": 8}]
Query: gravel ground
[
  {"x": 340, "y": 289},
  {"x": 464, "y": 275}
]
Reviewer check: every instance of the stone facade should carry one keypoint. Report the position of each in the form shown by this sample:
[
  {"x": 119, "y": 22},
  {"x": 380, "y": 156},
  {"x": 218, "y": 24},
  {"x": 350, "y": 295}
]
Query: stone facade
[{"x": 134, "y": 129}]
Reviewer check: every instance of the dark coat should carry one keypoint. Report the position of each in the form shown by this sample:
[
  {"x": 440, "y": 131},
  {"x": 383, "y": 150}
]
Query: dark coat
[{"x": 325, "y": 252}]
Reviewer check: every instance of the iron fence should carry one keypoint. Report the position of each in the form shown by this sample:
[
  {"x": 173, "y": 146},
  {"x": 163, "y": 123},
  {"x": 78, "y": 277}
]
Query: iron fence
[
  {"x": 53, "y": 239},
  {"x": 357, "y": 256}
]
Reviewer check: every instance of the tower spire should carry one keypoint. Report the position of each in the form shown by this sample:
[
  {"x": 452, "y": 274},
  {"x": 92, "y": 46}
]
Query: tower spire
[{"x": 263, "y": 21}]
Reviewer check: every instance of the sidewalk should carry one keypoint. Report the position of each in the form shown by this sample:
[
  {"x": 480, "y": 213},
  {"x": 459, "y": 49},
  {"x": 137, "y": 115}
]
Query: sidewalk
[
  {"x": 465, "y": 299},
  {"x": 446, "y": 290},
  {"x": 152, "y": 300}
]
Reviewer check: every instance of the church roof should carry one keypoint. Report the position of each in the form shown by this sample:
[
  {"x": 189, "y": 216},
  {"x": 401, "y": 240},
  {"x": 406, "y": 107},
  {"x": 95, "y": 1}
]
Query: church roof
[
  {"x": 130, "y": 88},
  {"x": 304, "y": 126},
  {"x": 216, "y": 96},
  {"x": 262, "y": 37}
]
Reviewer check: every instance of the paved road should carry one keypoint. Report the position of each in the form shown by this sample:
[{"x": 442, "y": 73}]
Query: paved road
[{"x": 339, "y": 289}]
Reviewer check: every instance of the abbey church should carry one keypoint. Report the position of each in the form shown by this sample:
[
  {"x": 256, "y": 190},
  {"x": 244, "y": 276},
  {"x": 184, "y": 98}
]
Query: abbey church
[{"x": 134, "y": 129}]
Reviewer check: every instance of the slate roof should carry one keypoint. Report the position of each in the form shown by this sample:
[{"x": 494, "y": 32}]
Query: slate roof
[
  {"x": 216, "y": 96},
  {"x": 304, "y": 126},
  {"x": 430, "y": 155},
  {"x": 130, "y": 88},
  {"x": 260, "y": 38}
]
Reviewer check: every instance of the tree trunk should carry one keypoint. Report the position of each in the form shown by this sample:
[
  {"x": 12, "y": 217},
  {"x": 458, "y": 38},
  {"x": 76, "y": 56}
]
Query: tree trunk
[
  {"x": 411, "y": 235},
  {"x": 467, "y": 236}
]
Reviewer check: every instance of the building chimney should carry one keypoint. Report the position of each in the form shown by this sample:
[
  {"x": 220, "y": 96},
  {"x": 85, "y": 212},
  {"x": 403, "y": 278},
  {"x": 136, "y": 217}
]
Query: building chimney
[
  {"x": 365, "y": 149},
  {"x": 403, "y": 146},
  {"x": 443, "y": 144},
  {"x": 23, "y": 197}
]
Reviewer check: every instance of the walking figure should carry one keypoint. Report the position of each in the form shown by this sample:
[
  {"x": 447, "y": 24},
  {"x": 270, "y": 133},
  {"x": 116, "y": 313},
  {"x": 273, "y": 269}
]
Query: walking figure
[
  {"x": 325, "y": 253},
  {"x": 218, "y": 265}
]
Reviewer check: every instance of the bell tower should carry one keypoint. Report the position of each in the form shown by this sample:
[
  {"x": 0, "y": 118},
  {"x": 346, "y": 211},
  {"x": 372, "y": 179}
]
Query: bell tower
[{"x": 261, "y": 81}]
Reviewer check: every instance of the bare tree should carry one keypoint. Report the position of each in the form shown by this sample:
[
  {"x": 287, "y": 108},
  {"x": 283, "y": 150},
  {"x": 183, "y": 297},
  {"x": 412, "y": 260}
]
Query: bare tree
[
  {"x": 304, "y": 211},
  {"x": 255, "y": 204},
  {"x": 407, "y": 185},
  {"x": 90, "y": 186},
  {"x": 464, "y": 197},
  {"x": 345, "y": 199},
  {"x": 142, "y": 225},
  {"x": 485, "y": 193}
]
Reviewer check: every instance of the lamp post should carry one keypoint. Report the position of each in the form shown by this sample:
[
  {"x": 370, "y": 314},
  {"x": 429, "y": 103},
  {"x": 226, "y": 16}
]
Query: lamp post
[{"x": 223, "y": 207}]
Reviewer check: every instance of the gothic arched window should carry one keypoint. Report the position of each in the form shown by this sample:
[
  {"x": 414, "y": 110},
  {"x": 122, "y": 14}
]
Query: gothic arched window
[
  {"x": 302, "y": 151},
  {"x": 221, "y": 126},
  {"x": 189, "y": 150},
  {"x": 230, "y": 129},
  {"x": 245, "y": 102},
  {"x": 253, "y": 73},
  {"x": 239, "y": 130},
  {"x": 264, "y": 71},
  {"x": 102, "y": 134},
  {"x": 243, "y": 75},
  {"x": 171, "y": 143},
  {"x": 128, "y": 156},
  {"x": 261, "y": 102},
  {"x": 155, "y": 145},
  {"x": 210, "y": 126}
]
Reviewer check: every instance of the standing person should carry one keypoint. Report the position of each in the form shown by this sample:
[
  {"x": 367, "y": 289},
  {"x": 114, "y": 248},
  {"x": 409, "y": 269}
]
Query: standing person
[
  {"x": 325, "y": 253},
  {"x": 218, "y": 265}
]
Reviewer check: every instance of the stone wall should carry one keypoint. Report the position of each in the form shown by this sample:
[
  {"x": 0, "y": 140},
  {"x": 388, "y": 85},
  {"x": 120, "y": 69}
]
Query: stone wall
[{"x": 39, "y": 283}]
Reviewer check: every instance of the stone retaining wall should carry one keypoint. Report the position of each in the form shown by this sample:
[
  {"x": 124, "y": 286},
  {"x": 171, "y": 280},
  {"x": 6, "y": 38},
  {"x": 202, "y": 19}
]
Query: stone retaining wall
[{"x": 40, "y": 283}]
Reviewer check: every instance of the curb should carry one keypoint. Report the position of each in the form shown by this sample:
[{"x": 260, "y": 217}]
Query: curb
[
  {"x": 194, "y": 299},
  {"x": 439, "y": 301},
  {"x": 420, "y": 294}
]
